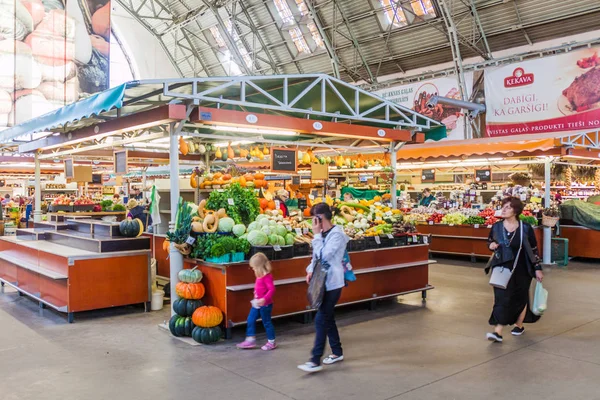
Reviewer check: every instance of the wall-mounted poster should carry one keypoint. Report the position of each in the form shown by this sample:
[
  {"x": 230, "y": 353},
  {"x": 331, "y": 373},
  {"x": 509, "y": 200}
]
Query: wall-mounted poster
[
  {"x": 553, "y": 94},
  {"x": 52, "y": 53},
  {"x": 416, "y": 95}
]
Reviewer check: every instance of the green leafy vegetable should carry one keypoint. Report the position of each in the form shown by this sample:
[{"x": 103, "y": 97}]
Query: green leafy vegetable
[
  {"x": 245, "y": 207},
  {"x": 183, "y": 224},
  {"x": 119, "y": 207},
  {"x": 106, "y": 205}
]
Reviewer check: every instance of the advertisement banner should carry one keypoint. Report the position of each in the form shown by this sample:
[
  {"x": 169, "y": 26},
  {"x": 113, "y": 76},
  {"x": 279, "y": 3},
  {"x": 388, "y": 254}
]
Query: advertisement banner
[
  {"x": 416, "y": 95},
  {"x": 555, "y": 94},
  {"x": 52, "y": 53}
]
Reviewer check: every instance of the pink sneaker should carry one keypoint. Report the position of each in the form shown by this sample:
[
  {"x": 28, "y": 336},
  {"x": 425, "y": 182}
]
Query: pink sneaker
[
  {"x": 269, "y": 346},
  {"x": 246, "y": 345}
]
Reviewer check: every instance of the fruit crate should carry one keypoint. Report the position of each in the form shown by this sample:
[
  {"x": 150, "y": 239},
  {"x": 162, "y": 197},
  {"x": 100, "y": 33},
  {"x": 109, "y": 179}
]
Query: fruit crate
[
  {"x": 370, "y": 243},
  {"x": 386, "y": 241},
  {"x": 83, "y": 207},
  {"x": 285, "y": 253},
  {"x": 219, "y": 260},
  {"x": 56, "y": 208},
  {"x": 560, "y": 251},
  {"x": 356, "y": 245},
  {"x": 266, "y": 250},
  {"x": 237, "y": 257},
  {"x": 400, "y": 240},
  {"x": 301, "y": 249}
]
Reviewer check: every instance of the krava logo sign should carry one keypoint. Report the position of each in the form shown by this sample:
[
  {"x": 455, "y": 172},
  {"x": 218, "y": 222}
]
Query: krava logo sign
[{"x": 518, "y": 78}]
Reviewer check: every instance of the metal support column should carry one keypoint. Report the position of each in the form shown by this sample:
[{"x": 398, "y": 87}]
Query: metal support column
[
  {"x": 175, "y": 257},
  {"x": 393, "y": 165},
  {"x": 547, "y": 250},
  {"x": 37, "y": 212}
]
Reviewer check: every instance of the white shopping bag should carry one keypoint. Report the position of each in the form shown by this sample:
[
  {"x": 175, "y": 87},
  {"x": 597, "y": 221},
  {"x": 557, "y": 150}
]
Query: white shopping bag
[{"x": 540, "y": 299}]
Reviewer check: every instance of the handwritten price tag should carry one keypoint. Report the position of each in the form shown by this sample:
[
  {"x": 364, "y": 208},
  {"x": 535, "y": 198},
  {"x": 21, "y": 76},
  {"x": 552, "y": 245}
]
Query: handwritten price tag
[
  {"x": 298, "y": 231},
  {"x": 476, "y": 226},
  {"x": 425, "y": 239},
  {"x": 430, "y": 222},
  {"x": 390, "y": 236},
  {"x": 415, "y": 239},
  {"x": 377, "y": 240},
  {"x": 277, "y": 247},
  {"x": 230, "y": 202},
  {"x": 190, "y": 240}
]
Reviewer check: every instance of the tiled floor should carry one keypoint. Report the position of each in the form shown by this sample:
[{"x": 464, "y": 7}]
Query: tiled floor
[{"x": 401, "y": 350}]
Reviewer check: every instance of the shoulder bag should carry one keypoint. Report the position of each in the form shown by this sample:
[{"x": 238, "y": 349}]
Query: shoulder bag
[
  {"x": 501, "y": 274},
  {"x": 316, "y": 286}
]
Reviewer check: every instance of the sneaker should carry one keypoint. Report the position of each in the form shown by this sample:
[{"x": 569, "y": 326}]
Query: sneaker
[
  {"x": 269, "y": 346},
  {"x": 518, "y": 331},
  {"x": 246, "y": 345},
  {"x": 332, "y": 359},
  {"x": 494, "y": 337},
  {"x": 310, "y": 367}
]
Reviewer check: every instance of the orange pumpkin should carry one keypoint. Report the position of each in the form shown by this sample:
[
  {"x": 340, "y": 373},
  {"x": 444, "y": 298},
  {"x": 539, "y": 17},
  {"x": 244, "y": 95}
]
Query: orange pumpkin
[
  {"x": 242, "y": 181},
  {"x": 226, "y": 177},
  {"x": 190, "y": 291},
  {"x": 249, "y": 177},
  {"x": 307, "y": 212},
  {"x": 207, "y": 317},
  {"x": 217, "y": 175},
  {"x": 271, "y": 205},
  {"x": 166, "y": 245},
  {"x": 264, "y": 203},
  {"x": 259, "y": 176},
  {"x": 260, "y": 183}
]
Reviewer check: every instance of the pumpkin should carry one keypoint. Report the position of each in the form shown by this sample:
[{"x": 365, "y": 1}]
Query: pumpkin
[
  {"x": 181, "y": 326},
  {"x": 183, "y": 146},
  {"x": 306, "y": 212},
  {"x": 166, "y": 245},
  {"x": 217, "y": 175},
  {"x": 185, "y": 307},
  {"x": 201, "y": 207},
  {"x": 230, "y": 152},
  {"x": 131, "y": 227},
  {"x": 211, "y": 222},
  {"x": 190, "y": 291},
  {"x": 207, "y": 317},
  {"x": 259, "y": 175},
  {"x": 266, "y": 150},
  {"x": 193, "y": 180},
  {"x": 263, "y": 203},
  {"x": 190, "y": 275},
  {"x": 260, "y": 183},
  {"x": 271, "y": 205},
  {"x": 197, "y": 226},
  {"x": 218, "y": 154},
  {"x": 221, "y": 213},
  {"x": 226, "y": 177},
  {"x": 249, "y": 177},
  {"x": 243, "y": 153},
  {"x": 206, "y": 335}
]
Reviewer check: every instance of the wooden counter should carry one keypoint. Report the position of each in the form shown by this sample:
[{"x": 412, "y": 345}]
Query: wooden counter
[
  {"x": 380, "y": 273},
  {"x": 464, "y": 240},
  {"x": 583, "y": 242},
  {"x": 70, "y": 280}
]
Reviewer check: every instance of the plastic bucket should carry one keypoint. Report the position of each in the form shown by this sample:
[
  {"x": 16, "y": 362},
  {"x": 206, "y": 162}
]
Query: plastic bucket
[{"x": 157, "y": 300}]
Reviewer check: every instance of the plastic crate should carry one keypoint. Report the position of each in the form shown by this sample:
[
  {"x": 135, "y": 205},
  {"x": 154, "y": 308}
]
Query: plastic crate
[
  {"x": 301, "y": 249},
  {"x": 371, "y": 243},
  {"x": 219, "y": 260},
  {"x": 386, "y": 241},
  {"x": 267, "y": 250},
  {"x": 356, "y": 245},
  {"x": 400, "y": 240},
  {"x": 285, "y": 253},
  {"x": 560, "y": 251},
  {"x": 238, "y": 257}
]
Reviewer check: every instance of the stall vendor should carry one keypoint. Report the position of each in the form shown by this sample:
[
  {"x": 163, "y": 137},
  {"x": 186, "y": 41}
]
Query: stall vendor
[
  {"x": 283, "y": 196},
  {"x": 427, "y": 198},
  {"x": 137, "y": 211}
]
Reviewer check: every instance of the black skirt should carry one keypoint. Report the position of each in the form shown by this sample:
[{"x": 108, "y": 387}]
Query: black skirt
[{"x": 510, "y": 302}]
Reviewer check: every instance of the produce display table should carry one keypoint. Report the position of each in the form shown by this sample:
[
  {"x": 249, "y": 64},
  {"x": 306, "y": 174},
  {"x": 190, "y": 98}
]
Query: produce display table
[
  {"x": 69, "y": 278},
  {"x": 380, "y": 273},
  {"x": 583, "y": 242},
  {"x": 121, "y": 215},
  {"x": 464, "y": 240}
]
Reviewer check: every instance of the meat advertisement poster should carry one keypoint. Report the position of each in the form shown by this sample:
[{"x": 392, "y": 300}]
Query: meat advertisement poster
[
  {"x": 52, "y": 53},
  {"x": 554, "y": 94},
  {"x": 416, "y": 95}
]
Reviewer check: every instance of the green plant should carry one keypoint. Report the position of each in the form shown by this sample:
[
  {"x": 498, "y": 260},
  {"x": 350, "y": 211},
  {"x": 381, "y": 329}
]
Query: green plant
[
  {"x": 243, "y": 246},
  {"x": 217, "y": 250},
  {"x": 245, "y": 207},
  {"x": 106, "y": 205},
  {"x": 183, "y": 224},
  {"x": 119, "y": 208},
  {"x": 553, "y": 212},
  {"x": 531, "y": 220}
]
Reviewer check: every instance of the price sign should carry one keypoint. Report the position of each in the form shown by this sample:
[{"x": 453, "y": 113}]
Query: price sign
[
  {"x": 230, "y": 202},
  {"x": 415, "y": 239},
  {"x": 305, "y": 230},
  {"x": 310, "y": 196},
  {"x": 377, "y": 240},
  {"x": 283, "y": 160},
  {"x": 425, "y": 239},
  {"x": 277, "y": 247},
  {"x": 190, "y": 240},
  {"x": 390, "y": 236},
  {"x": 430, "y": 222},
  {"x": 296, "y": 180},
  {"x": 450, "y": 224},
  {"x": 428, "y": 175},
  {"x": 483, "y": 175},
  {"x": 302, "y": 204},
  {"x": 289, "y": 228},
  {"x": 476, "y": 226},
  {"x": 69, "y": 173},
  {"x": 298, "y": 231},
  {"x": 120, "y": 162},
  {"x": 277, "y": 204}
]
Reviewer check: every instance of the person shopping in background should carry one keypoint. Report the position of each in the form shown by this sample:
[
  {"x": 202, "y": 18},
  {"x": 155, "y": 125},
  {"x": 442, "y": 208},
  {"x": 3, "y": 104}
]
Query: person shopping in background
[
  {"x": 511, "y": 305},
  {"x": 329, "y": 246},
  {"x": 137, "y": 211},
  {"x": 283, "y": 195},
  {"x": 262, "y": 305},
  {"x": 348, "y": 197},
  {"x": 427, "y": 198}
]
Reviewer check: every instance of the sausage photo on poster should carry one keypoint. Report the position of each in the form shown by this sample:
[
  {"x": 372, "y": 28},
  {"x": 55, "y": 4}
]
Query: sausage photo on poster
[{"x": 52, "y": 53}]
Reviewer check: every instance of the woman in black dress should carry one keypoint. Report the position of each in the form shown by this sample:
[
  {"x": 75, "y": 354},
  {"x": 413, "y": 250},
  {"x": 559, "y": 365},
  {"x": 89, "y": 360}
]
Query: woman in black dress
[{"x": 511, "y": 305}]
